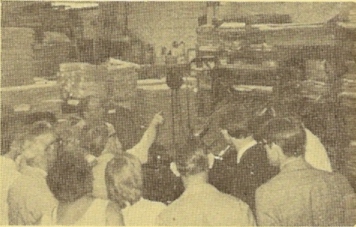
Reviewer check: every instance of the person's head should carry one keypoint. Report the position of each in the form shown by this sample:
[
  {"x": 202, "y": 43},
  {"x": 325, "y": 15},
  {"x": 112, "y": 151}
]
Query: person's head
[
  {"x": 175, "y": 44},
  {"x": 283, "y": 138},
  {"x": 240, "y": 134},
  {"x": 39, "y": 145},
  {"x": 70, "y": 177},
  {"x": 95, "y": 108},
  {"x": 100, "y": 137},
  {"x": 191, "y": 160},
  {"x": 123, "y": 179},
  {"x": 16, "y": 148},
  {"x": 95, "y": 139}
]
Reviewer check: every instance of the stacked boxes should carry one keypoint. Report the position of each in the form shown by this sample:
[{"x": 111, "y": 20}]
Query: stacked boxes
[
  {"x": 316, "y": 84},
  {"x": 350, "y": 158},
  {"x": 207, "y": 36},
  {"x": 122, "y": 82},
  {"x": 81, "y": 80},
  {"x": 51, "y": 53},
  {"x": 17, "y": 63},
  {"x": 348, "y": 99},
  {"x": 37, "y": 96}
]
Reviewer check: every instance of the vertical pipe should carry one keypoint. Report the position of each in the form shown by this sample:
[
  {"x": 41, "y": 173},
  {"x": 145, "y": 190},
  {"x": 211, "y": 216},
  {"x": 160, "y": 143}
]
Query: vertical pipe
[{"x": 173, "y": 128}]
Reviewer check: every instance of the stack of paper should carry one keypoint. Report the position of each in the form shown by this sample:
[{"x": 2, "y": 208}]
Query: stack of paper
[
  {"x": 80, "y": 80},
  {"x": 17, "y": 58}
]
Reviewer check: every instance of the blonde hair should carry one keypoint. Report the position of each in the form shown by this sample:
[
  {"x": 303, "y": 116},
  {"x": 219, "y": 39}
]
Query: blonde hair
[{"x": 123, "y": 178}]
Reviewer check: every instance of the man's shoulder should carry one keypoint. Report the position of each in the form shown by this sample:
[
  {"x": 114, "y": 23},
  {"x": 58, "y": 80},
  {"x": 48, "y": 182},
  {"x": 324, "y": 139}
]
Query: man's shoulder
[
  {"x": 152, "y": 204},
  {"x": 307, "y": 177},
  {"x": 233, "y": 203}
]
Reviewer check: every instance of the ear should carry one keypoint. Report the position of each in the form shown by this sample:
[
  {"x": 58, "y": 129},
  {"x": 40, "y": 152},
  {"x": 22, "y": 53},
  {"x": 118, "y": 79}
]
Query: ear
[
  {"x": 211, "y": 160},
  {"x": 174, "y": 169},
  {"x": 226, "y": 135},
  {"x": 278, "y": 150}
]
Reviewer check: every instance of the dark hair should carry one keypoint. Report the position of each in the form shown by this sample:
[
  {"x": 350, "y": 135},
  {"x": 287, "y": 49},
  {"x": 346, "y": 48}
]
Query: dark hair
[
  {"x": 123, "y": 177},
  {"x": 288, "y": 133},
  {"x": 70, "y": 177},
  {"x": 94, "y": 139},
  {"x": 41, "y": 116},
  {"x": 236, "y": 121},
  {"x": 240, "y": 130},
  {"x": 191, "y": 158}
]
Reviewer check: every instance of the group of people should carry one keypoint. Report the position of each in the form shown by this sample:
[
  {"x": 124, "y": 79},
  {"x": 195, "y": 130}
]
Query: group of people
[
  {"x": 89, "y": 171},
  {"x": 82, "y": 176}
]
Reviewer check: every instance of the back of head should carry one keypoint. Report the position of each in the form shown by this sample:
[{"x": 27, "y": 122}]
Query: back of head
[
  {"x": 288, "y": 133},
  {"x": 70, "y": 177},
  {"x": 191, "y": 158},
  {"x": 123, "y": 178},
  {"x": 240, "y": 129},
  {"x": 237, "y": 122}
]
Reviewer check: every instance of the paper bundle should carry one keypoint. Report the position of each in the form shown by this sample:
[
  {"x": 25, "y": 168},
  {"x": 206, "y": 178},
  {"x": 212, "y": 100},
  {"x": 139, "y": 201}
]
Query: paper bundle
[
  {"x": 351, "y": 67},
  {"x": 315, "y": 70},
  {"x": 348, "y": 85},
  {"x": 17, "y": 57},
  {"x": 32, "y": 94},
  {"x": 351, "y": 158},
  {"x": 207, "y": 36},
  {"x": 80, "y": 80},
  {"x": 314, "y": 89},
  {"x": 121, "y": 79}
]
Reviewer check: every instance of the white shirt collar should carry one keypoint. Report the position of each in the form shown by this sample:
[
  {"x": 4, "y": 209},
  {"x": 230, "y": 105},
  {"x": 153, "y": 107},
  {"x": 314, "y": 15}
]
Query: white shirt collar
[
  {"x": 242, "y": 151},
  {"x": 29, "y": 170}
]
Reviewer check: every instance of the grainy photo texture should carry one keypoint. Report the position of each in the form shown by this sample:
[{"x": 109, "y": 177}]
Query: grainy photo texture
[{"x": 178, "y": 113}]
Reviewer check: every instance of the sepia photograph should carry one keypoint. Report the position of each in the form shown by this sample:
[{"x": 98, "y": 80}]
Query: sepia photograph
[{"x": 178, "y": 113}]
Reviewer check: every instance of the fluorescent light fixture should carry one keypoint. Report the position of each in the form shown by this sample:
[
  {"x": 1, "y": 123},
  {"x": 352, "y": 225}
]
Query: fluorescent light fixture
[{"x": 75, "y": 5}]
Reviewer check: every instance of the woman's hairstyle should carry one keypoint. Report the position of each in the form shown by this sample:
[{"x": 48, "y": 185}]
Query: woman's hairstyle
[
  {"x": 123, "y": 178},
  {"x": 286, "y": 132},
  {"x": 191, "y": 158},
  {"x": 70, "y": 177}
]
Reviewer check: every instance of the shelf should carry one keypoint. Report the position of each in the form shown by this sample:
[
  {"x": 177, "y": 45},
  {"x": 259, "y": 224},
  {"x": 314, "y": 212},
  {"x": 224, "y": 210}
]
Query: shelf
[{"x": 247, "y": 67}]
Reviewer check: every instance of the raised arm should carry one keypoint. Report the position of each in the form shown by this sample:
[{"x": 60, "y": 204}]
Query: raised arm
[{"x": 140, "y": 150}]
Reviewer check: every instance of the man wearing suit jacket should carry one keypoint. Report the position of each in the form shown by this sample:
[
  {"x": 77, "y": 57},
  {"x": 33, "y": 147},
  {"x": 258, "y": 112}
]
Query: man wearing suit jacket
[
  {"x": 299, "y": 194},
  {"x": 252, "y": 169}
]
